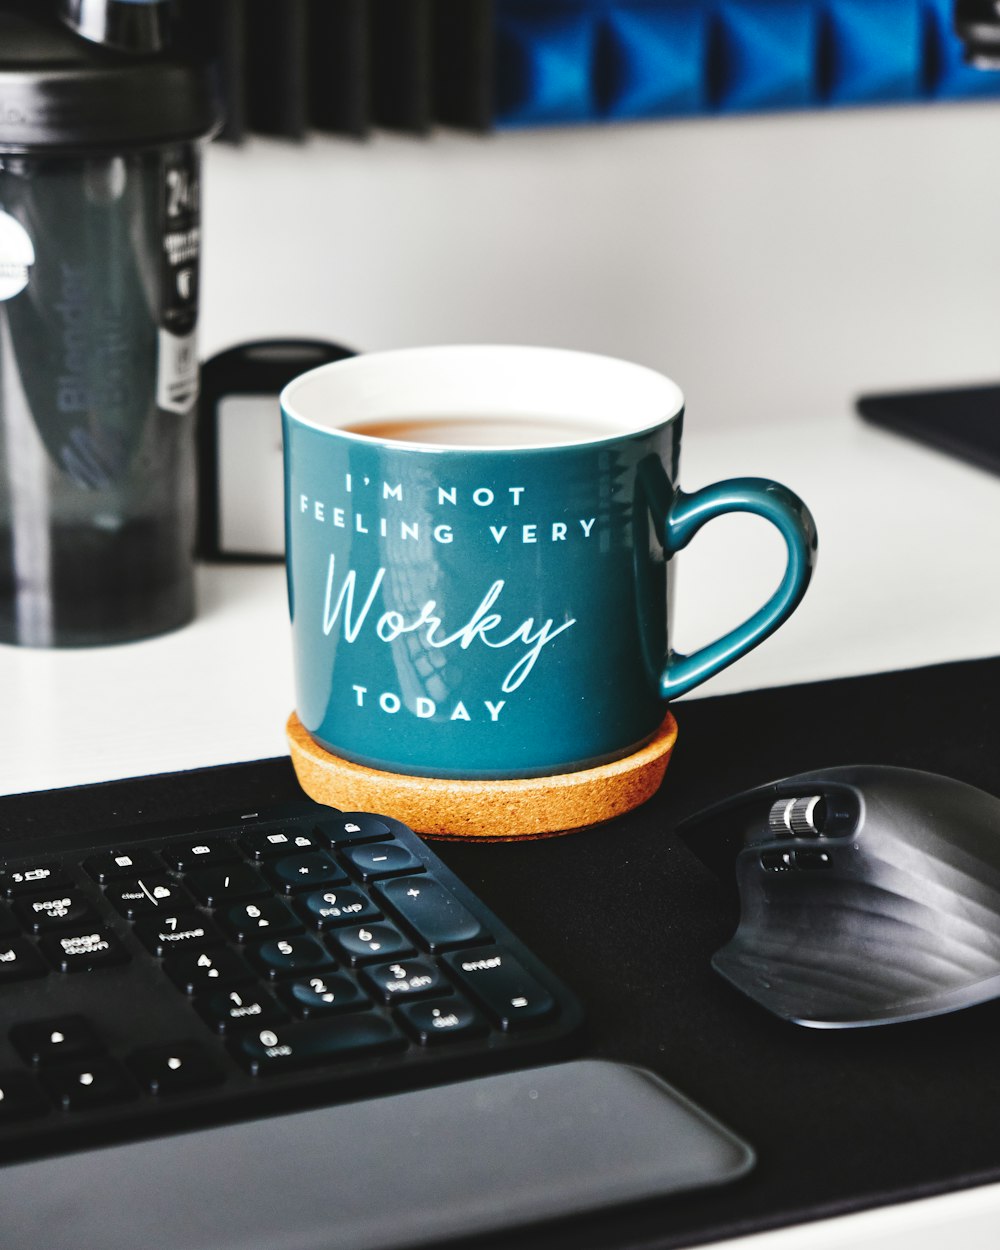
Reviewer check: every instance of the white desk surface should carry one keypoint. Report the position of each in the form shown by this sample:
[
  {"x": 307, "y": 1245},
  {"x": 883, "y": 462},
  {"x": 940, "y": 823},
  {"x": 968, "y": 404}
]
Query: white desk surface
[{"x": 907, "y": 575}]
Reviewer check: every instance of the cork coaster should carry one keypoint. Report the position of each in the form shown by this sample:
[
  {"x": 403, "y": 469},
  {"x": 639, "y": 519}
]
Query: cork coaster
[{"x": 495, "y": 810}]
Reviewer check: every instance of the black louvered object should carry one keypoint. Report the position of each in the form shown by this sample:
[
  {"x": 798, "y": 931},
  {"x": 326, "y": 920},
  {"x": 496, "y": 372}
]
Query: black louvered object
[
  {"x": 463, "y": 63},
  {"x": 339, "y": 67},
  {"x": 401, "y": 54},
  {"x": 343, "y": 68},
  {"x": 277, "y": 81}
]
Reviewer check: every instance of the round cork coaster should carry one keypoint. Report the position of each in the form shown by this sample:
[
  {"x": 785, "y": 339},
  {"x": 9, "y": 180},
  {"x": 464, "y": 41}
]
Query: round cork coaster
[{"x": 497, "y": 810}]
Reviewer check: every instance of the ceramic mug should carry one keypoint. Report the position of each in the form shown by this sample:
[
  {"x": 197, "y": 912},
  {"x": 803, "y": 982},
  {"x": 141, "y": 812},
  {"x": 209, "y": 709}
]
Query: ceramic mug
[{"x": 478, "y": 552}]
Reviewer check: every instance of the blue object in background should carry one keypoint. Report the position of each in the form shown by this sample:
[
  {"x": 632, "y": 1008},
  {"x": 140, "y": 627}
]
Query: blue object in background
[
  {"x": 654, "y": 58},
  {"x": 590, "y": 60},
  {"x": 545, "y": 63},
  {"x": 872, "y": 51},
  {"x": 765, "y": 55}
]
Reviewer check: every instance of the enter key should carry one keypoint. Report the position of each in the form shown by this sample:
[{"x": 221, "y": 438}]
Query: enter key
[{"x": 502, "y": 986}]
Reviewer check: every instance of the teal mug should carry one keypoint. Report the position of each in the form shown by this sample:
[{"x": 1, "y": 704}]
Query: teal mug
[{"x": 478, "y": 551}]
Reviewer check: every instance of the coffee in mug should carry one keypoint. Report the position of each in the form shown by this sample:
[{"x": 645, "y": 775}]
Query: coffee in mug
[{"x": 488, "y": 430}]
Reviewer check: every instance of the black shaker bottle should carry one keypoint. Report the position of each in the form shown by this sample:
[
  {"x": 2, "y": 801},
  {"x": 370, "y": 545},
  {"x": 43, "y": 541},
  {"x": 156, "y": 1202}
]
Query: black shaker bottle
[{"x": 99, "y": 249}]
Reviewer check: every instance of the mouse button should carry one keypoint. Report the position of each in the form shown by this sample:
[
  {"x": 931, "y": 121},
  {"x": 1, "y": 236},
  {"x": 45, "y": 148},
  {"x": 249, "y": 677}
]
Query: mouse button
[
  {"x": 778, "y": 861},
  {"x": 813, "y": 860}
]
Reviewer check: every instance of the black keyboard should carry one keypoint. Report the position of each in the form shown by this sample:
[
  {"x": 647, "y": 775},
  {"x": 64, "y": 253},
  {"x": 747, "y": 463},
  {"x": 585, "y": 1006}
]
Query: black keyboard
[{"x": 169, "y": 976}]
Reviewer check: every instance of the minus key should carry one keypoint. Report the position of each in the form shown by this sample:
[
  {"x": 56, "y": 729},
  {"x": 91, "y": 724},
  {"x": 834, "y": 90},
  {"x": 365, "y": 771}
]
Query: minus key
[{"x": 380, "y": 859}]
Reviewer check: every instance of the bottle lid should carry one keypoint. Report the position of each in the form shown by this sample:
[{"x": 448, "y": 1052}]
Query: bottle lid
[
  {"x": 59, "y": 91},
  {"x": 128, "y": 25}
]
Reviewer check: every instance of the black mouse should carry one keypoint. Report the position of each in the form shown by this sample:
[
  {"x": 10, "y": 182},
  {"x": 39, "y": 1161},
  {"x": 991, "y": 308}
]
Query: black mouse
[{"x": 868, "y": 894}]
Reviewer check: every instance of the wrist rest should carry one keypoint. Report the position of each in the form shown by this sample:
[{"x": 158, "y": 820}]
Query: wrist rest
[{"x": 452, "y": 1161}]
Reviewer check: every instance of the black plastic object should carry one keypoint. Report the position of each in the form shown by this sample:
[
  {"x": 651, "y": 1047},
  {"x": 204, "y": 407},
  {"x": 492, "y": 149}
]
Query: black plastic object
[
  {"x": 869, "y": 894},
  {"x": 99, "y": 261},
  {"x": 137, "y": 26},
  {"x": 339, "y": 61},
  {"x": 277, "y": 49},
  {"x": 964, "y": 422},
  {"x": 343, "y": 67},
  {"x": 217, "y": 30},
  {"x": 219, "y": 969},
  {"x": 464, "y": 71},
  {"x": 61, "y": 91},
  {"x": 234, "y": 386},
  {"x": 402, "y": 96},
  {"x": 977, "y": 23}
]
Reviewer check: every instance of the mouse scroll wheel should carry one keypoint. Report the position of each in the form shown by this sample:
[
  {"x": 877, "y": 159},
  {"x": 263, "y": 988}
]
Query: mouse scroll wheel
[{"x": 802, "y": 818}]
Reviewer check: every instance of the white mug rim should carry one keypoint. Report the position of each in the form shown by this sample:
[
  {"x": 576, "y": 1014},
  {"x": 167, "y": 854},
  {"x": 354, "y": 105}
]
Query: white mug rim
[{"x": 457, "y": 380}]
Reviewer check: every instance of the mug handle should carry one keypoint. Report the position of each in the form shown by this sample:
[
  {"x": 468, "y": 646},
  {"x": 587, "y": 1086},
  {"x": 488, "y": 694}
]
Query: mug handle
[{"x": 678, "y": 516}]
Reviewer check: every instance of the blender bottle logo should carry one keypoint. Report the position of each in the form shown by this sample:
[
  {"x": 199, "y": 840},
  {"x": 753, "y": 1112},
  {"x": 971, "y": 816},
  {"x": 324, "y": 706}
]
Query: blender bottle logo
[{"x": 17, "y": 255}]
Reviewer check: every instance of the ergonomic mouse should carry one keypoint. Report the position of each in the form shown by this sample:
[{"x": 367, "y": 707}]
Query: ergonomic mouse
[{"x": 868, "y": 894}]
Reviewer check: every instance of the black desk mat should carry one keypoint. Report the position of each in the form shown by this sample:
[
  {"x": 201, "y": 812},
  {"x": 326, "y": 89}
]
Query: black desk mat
[{"x": 628, "y": 917}]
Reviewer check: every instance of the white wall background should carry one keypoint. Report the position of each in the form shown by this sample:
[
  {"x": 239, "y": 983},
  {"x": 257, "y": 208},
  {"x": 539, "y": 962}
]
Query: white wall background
[{"x": 775, "y": 266}]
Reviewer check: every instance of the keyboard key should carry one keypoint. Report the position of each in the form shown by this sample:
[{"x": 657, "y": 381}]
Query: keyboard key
[
  {"x": 432, "y": 912},
  {"x": 269, "y": 1051},
  {"x": 19, "y": 960},
  {"x": 83, "y": 952},
  {"x": 226, "y": 1011},
  {"x": 305, "y": 871},
  {"x": 434, "y": 1020},
  {"x": 262, "y": 844},
  {"x": 189, "y": 856},
  {"x": 406, "y": 978},
  {"x": 380, "y": 940},
  {"x": 351, "y": 827},
  {"x": 31, "y": 878},
  {"x": 215, "y": 886},
  {"x": 381, "y": 859},
  {"x": 196, "y": 971},
  {"x": 8, "y": 921},
  {"x": 510, "y": 995},
  {"x": 87, "y": 1083},
  {"x": 319, "y": 996},
  {"x": 56, "y": 1040},
  {"x": 328, "y": 908},
  {"x": 284, "y": 957},
  {"x": 115, "y": 865},
  {"x": 154, "y": 895},
  {"x": 45, "y": 912},
  {"x": 20, "y": 1098},
  {"x": 246, "y": 922},
  {"x": 180, "y": 930},
  {"x": 174, "y": 1068}
]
